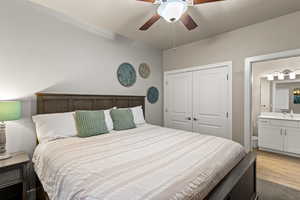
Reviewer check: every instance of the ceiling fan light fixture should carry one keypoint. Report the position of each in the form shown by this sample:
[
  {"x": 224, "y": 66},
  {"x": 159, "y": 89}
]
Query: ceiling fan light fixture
[{"x": 172, "y": 10}]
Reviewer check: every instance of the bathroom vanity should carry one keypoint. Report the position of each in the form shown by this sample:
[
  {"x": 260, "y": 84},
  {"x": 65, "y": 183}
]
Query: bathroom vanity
[{"x": 279, "y": 133}]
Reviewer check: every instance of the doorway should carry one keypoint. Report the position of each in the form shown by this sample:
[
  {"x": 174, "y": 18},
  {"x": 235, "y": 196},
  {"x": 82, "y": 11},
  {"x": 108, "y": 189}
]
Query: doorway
[
  {"x": 272, "y": 122},
  {"x": 248, "y": 89}
]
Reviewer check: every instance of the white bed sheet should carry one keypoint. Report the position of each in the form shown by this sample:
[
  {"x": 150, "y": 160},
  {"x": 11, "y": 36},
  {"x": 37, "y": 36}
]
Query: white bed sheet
[{"x": 148, "y": 162}]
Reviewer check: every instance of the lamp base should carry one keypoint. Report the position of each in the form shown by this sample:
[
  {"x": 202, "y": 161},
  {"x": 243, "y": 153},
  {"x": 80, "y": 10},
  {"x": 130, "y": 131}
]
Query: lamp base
[
  {"x": 5, "y": 156},
  {"x": 3, "y": 153}
]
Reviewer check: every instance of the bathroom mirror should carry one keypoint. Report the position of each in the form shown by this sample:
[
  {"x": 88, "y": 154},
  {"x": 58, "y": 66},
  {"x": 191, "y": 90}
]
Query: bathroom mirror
[{"x": 281, "y": 96}]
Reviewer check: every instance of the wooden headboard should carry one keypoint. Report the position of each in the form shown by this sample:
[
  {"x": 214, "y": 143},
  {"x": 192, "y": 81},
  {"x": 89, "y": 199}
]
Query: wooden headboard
[{"x": 57, "y": 103}]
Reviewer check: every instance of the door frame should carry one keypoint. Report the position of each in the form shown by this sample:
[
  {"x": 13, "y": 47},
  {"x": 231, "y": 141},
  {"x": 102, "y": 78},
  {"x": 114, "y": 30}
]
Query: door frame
[
  {"x": 248, "y": 88},
  {"x": 204, "y": 67}
]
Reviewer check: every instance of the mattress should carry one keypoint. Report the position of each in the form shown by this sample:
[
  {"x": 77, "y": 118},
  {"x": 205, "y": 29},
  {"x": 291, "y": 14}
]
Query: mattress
[{"x": 148, "y": 162}]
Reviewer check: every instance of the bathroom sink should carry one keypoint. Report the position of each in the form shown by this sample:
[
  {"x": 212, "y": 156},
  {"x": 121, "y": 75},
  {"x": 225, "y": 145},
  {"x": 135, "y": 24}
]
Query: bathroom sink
[{"x": 271, "y": 115}]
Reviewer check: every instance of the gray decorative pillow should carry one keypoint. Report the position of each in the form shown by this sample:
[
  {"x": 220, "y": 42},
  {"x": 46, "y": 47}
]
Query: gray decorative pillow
[
  {"x": 122, "y": 119},
  {"x": 90, "y": 123}
]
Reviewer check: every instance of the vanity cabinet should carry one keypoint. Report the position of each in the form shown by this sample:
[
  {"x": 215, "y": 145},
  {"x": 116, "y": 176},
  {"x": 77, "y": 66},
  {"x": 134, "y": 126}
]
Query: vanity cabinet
[
  {"x": 292, "y": 140},
  {"x": 282, "y": 136},
  {"x": 271, "y": 138}
]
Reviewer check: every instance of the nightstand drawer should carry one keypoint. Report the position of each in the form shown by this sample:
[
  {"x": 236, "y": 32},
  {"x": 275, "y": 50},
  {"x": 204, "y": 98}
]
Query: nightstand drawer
[
  {"x": 14, "y": 177},
  {"x": 12, "y": 192},
  {"x": 10, "y": 176}
]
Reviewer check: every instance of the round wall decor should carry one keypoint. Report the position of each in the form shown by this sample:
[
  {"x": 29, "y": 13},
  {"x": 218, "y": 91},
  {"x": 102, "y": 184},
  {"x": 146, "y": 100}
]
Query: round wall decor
[
  {"x": 126, "y": 74},
  {"x": 144, "y": 70},
  {"x": 152, "y": 95}
]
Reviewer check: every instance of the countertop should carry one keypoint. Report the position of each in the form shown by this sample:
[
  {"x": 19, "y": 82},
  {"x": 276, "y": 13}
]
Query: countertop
[{"x": 280, "y": 116}]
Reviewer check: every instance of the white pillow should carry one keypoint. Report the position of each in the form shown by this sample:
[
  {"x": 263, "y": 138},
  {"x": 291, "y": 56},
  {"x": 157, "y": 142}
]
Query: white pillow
[
  {"x": 138, "y": 115},
  {"x": 53, "y": 126}
]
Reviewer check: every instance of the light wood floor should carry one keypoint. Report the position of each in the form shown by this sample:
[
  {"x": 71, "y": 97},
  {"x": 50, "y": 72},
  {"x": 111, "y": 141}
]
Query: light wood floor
[{"x": 280, "y": 169}]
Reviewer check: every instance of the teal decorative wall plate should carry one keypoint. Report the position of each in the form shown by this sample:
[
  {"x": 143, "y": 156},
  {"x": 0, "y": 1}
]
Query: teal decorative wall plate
[
  {"x": 152, "y": 95},
  {"x": 144, "y": 70},
  {"x": 126, "y": 75}
]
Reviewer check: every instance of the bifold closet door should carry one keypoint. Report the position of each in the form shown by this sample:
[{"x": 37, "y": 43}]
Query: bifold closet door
[
  {"x": 210, "y": 102},
  {"x": 179, "y": 101}
]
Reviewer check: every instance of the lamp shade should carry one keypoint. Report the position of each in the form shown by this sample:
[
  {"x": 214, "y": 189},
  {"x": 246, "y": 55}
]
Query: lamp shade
[{"x": 10, "y": 110}]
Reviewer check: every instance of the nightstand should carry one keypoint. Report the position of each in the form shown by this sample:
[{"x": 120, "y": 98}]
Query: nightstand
[{"x": 14, "y": 177}]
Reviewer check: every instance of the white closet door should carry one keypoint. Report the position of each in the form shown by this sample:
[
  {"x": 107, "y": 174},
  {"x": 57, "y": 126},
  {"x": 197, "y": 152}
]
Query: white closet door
[
  {"x": 210, "y": 102},
  {"x": 179, "y": 101}
]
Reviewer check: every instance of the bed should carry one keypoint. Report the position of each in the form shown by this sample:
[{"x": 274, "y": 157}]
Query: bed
[{"x": 149, "y": 162}]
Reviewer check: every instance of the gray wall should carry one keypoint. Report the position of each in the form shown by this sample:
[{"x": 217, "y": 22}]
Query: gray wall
[
  {"x": 268, "y": 37},
  {"x": 41, "y": 53}
]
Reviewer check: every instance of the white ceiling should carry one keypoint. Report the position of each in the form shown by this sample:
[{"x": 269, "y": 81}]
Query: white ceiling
[{"x": 124, "y": 17}]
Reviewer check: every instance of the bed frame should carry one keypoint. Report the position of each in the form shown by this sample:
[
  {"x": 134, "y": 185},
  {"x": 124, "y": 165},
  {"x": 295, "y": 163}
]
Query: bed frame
[{"x": 239, "y": 184}]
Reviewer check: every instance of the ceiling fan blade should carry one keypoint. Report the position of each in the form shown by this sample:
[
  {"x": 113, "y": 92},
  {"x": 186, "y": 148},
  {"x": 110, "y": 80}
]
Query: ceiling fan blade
[
  {"x": 149, "y": 1},
  {"x": 150, "y": 22},
  {"x": 188, "y": 21},
  {"x": 205, "y": 1}
]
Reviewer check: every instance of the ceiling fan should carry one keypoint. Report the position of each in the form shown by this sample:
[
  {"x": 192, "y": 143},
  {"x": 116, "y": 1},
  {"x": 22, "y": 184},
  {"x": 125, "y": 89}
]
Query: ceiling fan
[{"x": 174, "y": 10}]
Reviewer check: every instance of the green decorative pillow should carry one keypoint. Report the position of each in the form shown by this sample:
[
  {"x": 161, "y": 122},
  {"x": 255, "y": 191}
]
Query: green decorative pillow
[
  {"x": 90, "y": 123},
  {"x": 122, "y": 119}
]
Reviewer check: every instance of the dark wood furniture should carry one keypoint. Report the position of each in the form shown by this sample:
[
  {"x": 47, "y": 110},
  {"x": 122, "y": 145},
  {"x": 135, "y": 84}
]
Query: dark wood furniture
[
  {"x": 14, "y": 177},
  {"x": 239, "y": 184},
  {"x": 57, "y": 103}
]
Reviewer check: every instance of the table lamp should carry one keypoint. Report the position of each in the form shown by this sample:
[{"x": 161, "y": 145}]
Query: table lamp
[{"x": 9, "y": 110}]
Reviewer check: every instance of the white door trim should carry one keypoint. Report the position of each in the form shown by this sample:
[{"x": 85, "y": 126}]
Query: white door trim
[
  {"x": 203, "y": 67},
  {"x": 248, "y": 88},
  {"x": 200, "y": 67}
]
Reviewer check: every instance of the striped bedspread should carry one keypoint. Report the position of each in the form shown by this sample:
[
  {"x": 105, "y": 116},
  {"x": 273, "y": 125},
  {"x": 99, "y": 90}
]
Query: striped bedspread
[{"x": 148, "y": 162}]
